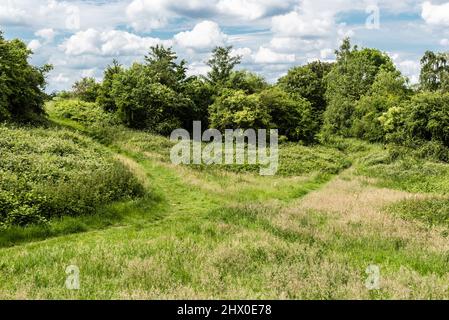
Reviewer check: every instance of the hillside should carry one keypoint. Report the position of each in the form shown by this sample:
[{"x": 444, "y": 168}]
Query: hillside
[{"x": 210, "y": 232}]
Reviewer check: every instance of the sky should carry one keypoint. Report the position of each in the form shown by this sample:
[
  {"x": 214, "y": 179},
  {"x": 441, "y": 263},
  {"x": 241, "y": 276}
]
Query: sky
[{"x": 81, "y": 37}]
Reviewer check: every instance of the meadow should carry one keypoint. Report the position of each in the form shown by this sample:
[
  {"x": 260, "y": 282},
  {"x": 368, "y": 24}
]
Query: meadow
[{"x": 204, "y": 232}]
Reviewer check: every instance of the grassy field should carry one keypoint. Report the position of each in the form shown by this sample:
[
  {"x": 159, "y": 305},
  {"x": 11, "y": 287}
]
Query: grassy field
[{"x": 218, "y": 232}]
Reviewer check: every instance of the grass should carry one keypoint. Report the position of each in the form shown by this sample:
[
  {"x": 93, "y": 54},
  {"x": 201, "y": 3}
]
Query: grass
[{"x": 211, "y": 232}]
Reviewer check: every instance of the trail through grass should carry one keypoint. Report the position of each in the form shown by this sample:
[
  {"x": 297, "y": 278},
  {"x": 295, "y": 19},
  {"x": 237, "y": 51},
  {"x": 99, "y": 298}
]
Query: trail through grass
[{"x": 213, "y": 233}]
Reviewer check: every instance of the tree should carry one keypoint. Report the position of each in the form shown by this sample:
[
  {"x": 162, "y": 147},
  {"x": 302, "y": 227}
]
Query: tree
[
  {"x": 434, "y": 72},
  {"x": 350, "y": 79},
  {"x": 235, "y": 109},
  {"x": 309, "y": 82},
  {"x": 105, "y": 98},
  {"x": 388, "y": 91},
  {"x": 246, "y": 81},
  {"x": 291, "y": 114},
  {"x": 424, "y": 118},
  {"x": 21, "y": 84},
  {"x": 144, "y": 103},
  {"x": 163, "y": 68},
  {"x": 86, "y": 89},
  {"x": 222, "y": 63}
]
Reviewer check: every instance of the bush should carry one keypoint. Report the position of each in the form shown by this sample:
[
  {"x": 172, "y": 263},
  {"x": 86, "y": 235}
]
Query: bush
[
  {"x": 425, "y": 118},
  {"x": 87, "y": 113},
  {"x": 47, "y": 173},
  {"x": 237, "y": 110}
]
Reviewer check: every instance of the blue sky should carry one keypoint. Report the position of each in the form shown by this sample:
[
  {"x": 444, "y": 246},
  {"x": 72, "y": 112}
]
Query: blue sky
[{"x": 81, "y": 37}]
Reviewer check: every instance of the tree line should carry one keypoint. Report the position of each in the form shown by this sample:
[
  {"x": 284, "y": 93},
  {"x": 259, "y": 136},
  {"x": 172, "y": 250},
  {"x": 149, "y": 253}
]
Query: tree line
[{"x": 360, "y": 95}]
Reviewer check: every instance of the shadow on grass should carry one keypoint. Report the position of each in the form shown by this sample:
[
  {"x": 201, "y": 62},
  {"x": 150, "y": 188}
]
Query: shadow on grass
[{"x": 133, "y": 212}]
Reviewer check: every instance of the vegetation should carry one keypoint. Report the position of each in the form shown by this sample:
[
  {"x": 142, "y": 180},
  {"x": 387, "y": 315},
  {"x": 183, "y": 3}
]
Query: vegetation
[
  {"x": 21, "y": 85},
  {"x": 363, "y": 179}
]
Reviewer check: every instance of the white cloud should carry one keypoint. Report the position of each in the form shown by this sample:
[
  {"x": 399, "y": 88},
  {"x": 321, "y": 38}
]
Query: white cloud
[
  {"x": 47, "y": 34},
  {"x": 145, "y": 15},
  {"x": 204, "y": 35},
  {"x": 108, "y": 43},
  {"x": 296, "y": 24},
  {"x": 266, "y": 55},
  {"x": 60, "y": 78},
  {"x": 326, "y": 53},
  {"x": 249, "y": 9},
  {"x": 197, "y": 69},
  {"x": 34, "y": 45},
  {"x": 444, "y": 42},
  {"x": 409, "y": 68},
  {"x": 436, "y": 14},
  {"x": 244, "y": 53},
  {"x": 11, "y": 14}
]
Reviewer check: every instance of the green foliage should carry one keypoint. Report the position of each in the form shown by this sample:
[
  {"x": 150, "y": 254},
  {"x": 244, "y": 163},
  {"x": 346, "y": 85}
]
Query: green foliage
[
  {"x": 309, "y": 82},
  {"x": 237, "y": 110},
  {"x": 435, "y": 72},
  {"x": 292, "y": 115},
  {"x": 388, "y": 91},
  {"x": 105, "y": 98},
  {"x": 144, "y": 103},
  {"x": 86, "y": 89},
  {"x": 222, "y": 63},
  {"x": 433, "y": 212},
  {"x": 424, "y": 118},
  {"x": 350, "y": 79},
  {"x": 87, "y": 113},
  {"x": 21, "y": 85},
  {"x": 399, "y": 168},
  {"x": 246, "y": 81},
  {"x": 202, "y": 94},
  {"x": 46, "y": 173},
  {"x": 162, "y": 67}
]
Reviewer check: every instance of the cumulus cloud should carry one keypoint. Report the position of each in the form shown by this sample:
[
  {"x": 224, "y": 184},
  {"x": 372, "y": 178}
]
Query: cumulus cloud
[
  {"x": 34, "y": 45},
  {"x": 409, "y": 68},
  {"x": 436, "y": 14},
  {"x": 197, "y": 69},
  {"x": 205, "y": 35},
  {"x": 145, "y": 15},
  {"x": 47, "y": 34},
  {"x": 108, "y": 43},
  {"x": 11, "y": 14},
  {"x": 250, "y": 9},
  {"x": 266, "y": 55},
  {"x": 297, "y": 24},
  {"x": 444, "y": 42}
]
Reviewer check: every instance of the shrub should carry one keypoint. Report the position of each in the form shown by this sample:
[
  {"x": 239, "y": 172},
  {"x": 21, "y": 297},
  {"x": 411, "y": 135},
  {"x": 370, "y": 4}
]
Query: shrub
[
  {"x": 47, "y": 173},
  {"x": 237, "y": 110},
  {"x": 424, "y": 118}
]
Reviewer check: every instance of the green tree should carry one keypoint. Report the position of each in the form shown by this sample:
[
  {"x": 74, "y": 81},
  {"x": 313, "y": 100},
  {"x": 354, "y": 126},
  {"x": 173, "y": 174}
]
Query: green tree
[
  {"x": 246, "y": 81},
  {"x": 21, "y": 84},
  {"x": 105, "y": 98},
  {"x": 309, "y": 82},
  {"x": 235, "y": 109},
  {"x": 144, "y": 103},
  {"x": 86, "y": 89},
  {"x": 424, "y": 118},
  {"x": 291, "y": 114},
  {"x": 222, "y": 63},
  {"x": 434, "y": 71},
  {"x": 388, "y": 91},
  {"x": 163, "y": 68},
  {"x": 350, "y": 79}
]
